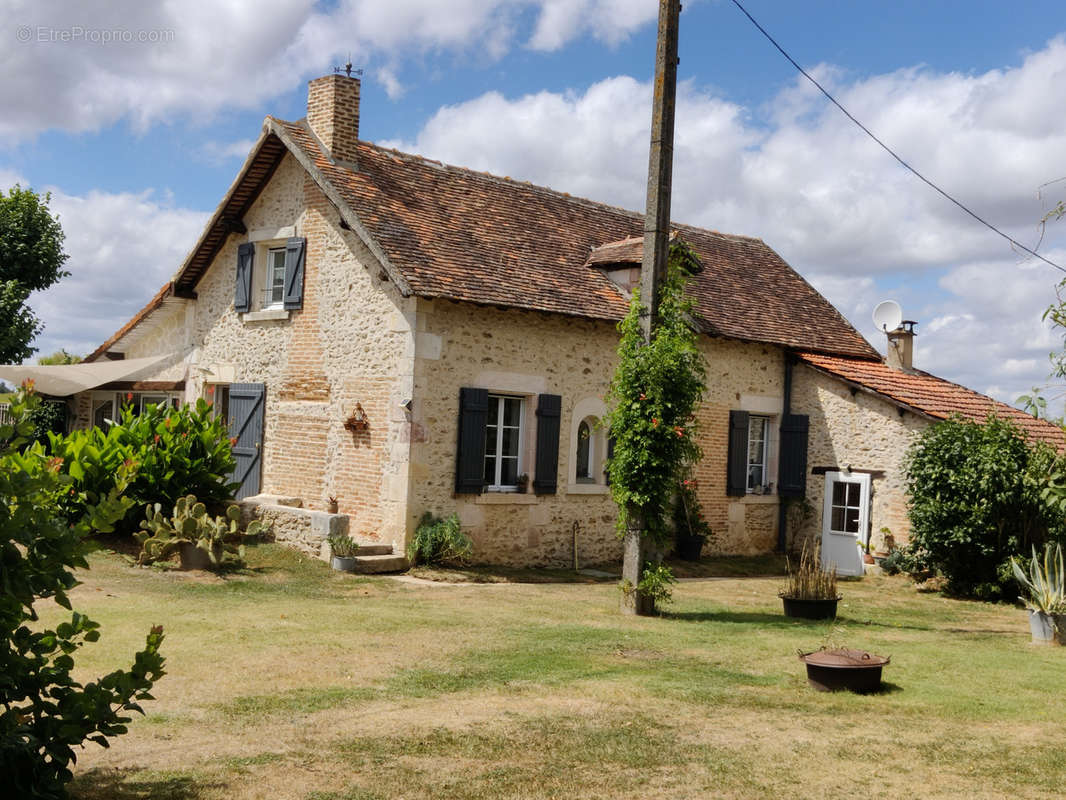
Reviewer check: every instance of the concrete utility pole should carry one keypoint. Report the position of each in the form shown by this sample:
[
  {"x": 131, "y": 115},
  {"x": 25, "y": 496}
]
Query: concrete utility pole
[
  {"x": 660, "y": 163},
  {"x": 656, "y": 244}
]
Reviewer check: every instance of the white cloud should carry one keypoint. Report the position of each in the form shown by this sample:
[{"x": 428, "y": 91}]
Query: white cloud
[
  {"x": 610, "y": 21},
  {"x": 82, "y": 67},
  {"x": 829, "y": 200},
  {"x": 122, "y": 248},
  {"x": 218, "y": 153}
]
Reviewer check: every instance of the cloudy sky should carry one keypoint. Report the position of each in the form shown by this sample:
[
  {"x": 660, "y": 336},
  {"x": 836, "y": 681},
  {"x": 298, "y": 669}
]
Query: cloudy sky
[{"x": 136, "y": 117}]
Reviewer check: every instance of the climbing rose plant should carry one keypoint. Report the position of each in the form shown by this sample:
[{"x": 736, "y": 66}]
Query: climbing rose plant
[
  {"x": 44, "y": 712},
  {"x": 653, "y": 398}
]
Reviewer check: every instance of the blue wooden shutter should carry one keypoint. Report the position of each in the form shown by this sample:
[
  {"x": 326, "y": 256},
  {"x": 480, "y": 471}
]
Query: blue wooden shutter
[
  {"x": 247, "y": 402},
  {"x": 470, "y": 452},
  {"x": 792, "y": 469},
  {"x": 295, "y": 254},
  {"x": 546, "y": 475},
  {"x": 242, "y": 299},
  {"x": 737, "y": 472}
]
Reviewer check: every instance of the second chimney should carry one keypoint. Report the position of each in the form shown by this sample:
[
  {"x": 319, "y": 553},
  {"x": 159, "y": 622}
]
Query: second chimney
[
  {"x": 900, "y": 354},
  {"x": 333, "y": 114}
]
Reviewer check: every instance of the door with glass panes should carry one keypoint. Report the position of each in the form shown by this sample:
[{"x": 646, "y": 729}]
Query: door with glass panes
[{"x": 844, "y": 520}]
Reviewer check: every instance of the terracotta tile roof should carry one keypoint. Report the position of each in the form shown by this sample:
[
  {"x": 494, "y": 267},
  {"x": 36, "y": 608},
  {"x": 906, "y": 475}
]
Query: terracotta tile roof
[
  {"x": 624, "y": 251},
  {"x": 464, "y": 235},
  {"x": 931, "y": 395},
  {"x": 137, "y": 319}
]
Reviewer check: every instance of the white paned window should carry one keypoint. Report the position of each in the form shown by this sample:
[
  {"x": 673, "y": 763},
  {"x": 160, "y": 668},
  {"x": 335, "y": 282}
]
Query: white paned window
[
  {"x": 503, "y": 442},
  {"x": 758, "y": 450},
  {"x": 108, "y": 406},
  {"x": 274, "y": 293}
]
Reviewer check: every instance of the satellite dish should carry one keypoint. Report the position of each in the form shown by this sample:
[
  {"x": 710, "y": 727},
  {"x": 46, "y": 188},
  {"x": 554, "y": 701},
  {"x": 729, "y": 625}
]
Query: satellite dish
[{"x": 888, "y": 315}]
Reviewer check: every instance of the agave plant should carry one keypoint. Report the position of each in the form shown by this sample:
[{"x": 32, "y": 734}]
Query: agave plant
[
  {"x": 1045, "y": 583},
  {"x": 190, "y": 523}
]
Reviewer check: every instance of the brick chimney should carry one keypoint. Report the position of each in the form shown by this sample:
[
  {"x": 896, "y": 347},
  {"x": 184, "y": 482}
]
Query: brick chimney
[
  {"x": 900, "y": 354},
  {"x": 333, "y": 114}
]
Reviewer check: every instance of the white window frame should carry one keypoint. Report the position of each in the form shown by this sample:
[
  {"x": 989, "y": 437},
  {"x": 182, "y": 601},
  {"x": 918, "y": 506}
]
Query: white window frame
[
  {"x": 118, "y": 401},
  {"x": 495, "y": 485},
  {"x": 767, "y": 428},
  {"x": 270, "y": 274}
]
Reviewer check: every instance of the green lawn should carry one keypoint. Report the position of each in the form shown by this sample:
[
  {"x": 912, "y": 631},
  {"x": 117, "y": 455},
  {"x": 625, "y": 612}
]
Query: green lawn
[{"x": 290, "y": 681}]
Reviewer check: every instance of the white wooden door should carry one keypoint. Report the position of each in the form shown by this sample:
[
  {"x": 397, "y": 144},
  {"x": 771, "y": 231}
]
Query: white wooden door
[{"x": 844, "y": 520}]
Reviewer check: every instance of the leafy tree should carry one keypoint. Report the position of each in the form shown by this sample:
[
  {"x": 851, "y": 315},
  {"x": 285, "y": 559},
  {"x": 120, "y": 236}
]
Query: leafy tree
[
  {"x": 31, "y": 259},
  {"x": 979, "y": 495},
  {"x": 44, "y": 712},
  {"x": 59, "y": 357}
]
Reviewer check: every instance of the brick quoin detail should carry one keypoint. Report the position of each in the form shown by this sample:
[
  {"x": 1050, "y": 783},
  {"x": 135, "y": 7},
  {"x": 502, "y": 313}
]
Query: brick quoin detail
[{"x": 305, "y": 377}]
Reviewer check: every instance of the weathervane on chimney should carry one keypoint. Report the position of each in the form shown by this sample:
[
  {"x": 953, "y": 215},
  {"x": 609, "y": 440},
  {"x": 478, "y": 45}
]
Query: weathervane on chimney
[{"x": 348, "y": 68}]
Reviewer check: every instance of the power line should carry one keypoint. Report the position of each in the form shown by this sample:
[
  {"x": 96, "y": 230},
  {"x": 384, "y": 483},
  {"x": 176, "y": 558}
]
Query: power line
[{"x": 888, "y": 149}]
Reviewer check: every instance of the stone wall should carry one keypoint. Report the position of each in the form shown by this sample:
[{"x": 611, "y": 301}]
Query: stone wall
[
  {"x": 351, "y": 342},
  {"x": 526, "y": 354},
  {"x": 863, "y": 431}
]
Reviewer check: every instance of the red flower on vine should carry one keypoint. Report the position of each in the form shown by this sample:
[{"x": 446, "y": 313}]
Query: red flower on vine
[
  {"x": 680, "y": 433},
  {"x": 654, "y": 422},
  {"x": 643, "y": 396},
  {"x": 233, "y": 441},
  {"x": 129, "y": 397},
  {"x": 156, "y": 438},
  {"x": 28, "y": 384}
]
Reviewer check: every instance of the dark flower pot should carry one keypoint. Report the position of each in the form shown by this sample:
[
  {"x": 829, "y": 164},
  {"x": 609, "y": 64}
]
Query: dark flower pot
[
  {"x": 810, "y": 609},
  {"x": 689, "y": 548},
  {"x": 853, "y": 670}
]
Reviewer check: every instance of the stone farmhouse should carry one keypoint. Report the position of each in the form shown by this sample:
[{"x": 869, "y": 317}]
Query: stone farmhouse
[{"x": 408, "y": 336}]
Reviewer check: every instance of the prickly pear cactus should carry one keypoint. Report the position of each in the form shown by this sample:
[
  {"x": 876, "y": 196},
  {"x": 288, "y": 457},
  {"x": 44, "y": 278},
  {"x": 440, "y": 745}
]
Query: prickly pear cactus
[{"x": 190, "y": 524}]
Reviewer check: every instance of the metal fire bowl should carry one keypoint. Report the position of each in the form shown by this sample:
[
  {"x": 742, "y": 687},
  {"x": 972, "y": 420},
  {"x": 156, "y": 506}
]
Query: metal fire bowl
[{"x": 854, "y": 670}]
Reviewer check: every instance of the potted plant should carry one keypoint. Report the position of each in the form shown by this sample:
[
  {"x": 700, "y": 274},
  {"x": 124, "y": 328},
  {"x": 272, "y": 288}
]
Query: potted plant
[
  {"x": 1046, "y": 587},
  {"x": 331, "y": 505},
  {"x": 343, "y": 549},
  {"x": 201, "y": 541},
  {"x": 522, "y": 483},
  {"x": 691, "y": 530},
  {"x": 811, "y": 592}
]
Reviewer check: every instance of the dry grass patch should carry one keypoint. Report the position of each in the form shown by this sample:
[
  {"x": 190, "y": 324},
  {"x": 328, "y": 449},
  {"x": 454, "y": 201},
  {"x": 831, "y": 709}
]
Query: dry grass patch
[{"x": 291, "y": 681}]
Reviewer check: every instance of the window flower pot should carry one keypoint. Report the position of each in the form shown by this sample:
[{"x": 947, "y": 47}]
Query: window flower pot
[{"x": 798, "y": 608}]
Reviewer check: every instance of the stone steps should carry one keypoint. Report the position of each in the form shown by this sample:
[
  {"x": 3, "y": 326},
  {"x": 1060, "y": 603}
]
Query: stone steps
[
  {"x": 375, "y": 550},
  {"x": 375, "y": 563}
]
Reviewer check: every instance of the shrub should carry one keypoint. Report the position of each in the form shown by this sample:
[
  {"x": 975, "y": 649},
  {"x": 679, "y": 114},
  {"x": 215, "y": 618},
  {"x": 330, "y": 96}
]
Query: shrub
[
  {"x": 44, "y": 712},
  {"x": 176, "y": 452},
  {"x": 190, "y": 524},
  {"x": 654, "y": 393},
  {"x": 439, "y": 540},
  {"x": 688, "y": 512},
  {"x": 50, "y": 416},
  {"x": 977, "y": 497},
  {"x": 896, "y": 562},
  {"x": 342, "y": 545}
]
